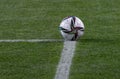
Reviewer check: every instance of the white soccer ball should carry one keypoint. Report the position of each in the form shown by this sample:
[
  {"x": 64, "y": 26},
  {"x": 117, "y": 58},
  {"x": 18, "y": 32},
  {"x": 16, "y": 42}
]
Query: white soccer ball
[
  {"x": 71, "y": 28},
  {"x": 71, "y": 36}
]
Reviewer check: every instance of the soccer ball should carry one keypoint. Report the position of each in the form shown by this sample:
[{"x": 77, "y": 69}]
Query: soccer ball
[
  {"x": 71, "y": 28},
  {"x": 72, "y": 36}
]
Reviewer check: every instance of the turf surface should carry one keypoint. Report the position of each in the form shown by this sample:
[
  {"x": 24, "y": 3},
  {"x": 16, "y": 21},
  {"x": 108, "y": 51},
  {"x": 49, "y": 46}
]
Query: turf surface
[
  {"x": 29, "y": 60},
  {"x": 97, "y": 53}
]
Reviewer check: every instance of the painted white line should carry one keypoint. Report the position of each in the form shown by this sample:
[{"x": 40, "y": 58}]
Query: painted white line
[
  {"x": 31, "y": 40},
  {"x": 66, "y": 55},
  {"x": 65, "y": 60}
]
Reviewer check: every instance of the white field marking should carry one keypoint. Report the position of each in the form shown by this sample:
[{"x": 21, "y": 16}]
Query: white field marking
[
  {"x": 66, "y": 55},
  {"x": 31, "y": 40},
  {"x": 65, "y": 60}
]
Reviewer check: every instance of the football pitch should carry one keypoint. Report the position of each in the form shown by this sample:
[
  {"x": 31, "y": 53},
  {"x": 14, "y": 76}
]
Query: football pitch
[{"x": 97, "y": 53}]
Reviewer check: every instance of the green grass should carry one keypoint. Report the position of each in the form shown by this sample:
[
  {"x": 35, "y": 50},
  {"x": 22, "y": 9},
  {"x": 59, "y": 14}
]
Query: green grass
[
  {"x": 97, "y": 53},
  {"x": 28, "y": 19},
  {"x": 96, "y": 59},
  {"x": 29, "y": 60}
]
